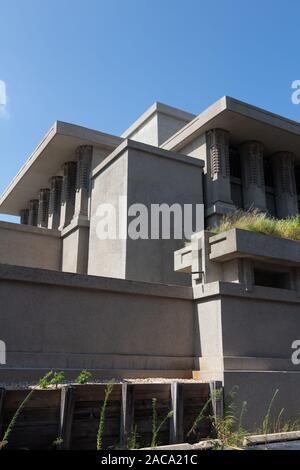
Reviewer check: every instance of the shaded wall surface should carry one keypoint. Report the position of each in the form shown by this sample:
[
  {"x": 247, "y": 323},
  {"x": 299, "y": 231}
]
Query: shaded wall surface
[
  {"x": 68, "y": 321},
  {"x": 23, "y": 245},
  {"x": 246, "y": 342}
]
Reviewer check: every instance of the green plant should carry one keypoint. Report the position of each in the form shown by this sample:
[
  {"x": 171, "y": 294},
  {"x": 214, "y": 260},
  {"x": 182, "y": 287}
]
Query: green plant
[
  {"x": 242, "y": 414},
  {"x": 58, "y": 442},
  {"x": 58, "y": 377},
  {"x": 14, "y": 419},
  {"x": 228, "y": 429},
  {"x": 83, "y": 377},
  {"x": 45, "y": 381},
  {"x": 132, "y": 440},
  {"x": 156, "y": 428},
  {"x": 266, "y": 422},
  {"x": 108, "y": 390},
  {"x": 256, "y": 221},
  {"x": 200, "y": 417}
]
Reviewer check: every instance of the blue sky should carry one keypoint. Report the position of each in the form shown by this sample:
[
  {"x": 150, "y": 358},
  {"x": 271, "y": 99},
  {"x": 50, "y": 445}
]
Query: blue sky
[{"x": 101, "y": 63}]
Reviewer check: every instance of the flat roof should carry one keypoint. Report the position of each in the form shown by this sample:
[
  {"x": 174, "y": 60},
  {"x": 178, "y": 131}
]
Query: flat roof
[
  {"x": 58, "y": 146},
  {"x": 244, "y": 122}
]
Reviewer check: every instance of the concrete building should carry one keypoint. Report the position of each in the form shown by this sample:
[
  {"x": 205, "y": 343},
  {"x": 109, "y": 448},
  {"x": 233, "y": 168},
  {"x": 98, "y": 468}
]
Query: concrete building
[{"x": 118, "y": 306}]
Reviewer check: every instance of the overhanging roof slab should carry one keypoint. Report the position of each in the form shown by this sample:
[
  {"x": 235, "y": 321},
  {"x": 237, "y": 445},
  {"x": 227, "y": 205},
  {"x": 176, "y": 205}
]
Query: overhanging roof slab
[
  {"x": 58, "y": 146},
  {"x": 244, "y": 122}
]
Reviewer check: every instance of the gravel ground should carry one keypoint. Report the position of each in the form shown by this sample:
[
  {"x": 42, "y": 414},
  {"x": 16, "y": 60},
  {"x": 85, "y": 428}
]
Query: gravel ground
[{"x": 26, "y": 385}]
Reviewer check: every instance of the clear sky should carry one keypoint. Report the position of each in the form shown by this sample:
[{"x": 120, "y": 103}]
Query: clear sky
[{"x": 101, "y": 63}]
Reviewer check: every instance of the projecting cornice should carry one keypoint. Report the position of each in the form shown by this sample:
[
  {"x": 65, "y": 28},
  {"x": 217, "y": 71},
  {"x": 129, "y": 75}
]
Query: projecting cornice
[
  {"x": 243, "y": 121},
  {"x": 58, "y": 146}
]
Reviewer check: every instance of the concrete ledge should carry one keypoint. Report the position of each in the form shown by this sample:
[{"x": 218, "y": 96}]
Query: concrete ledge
[
  {"x": 106, "y": 361},
  {"x": 203, "y": 445},
  {"x": 244, "y": 363},
  {"x": 75, "y": 223},
  {"x": 43, "y": 276},
  {"x": 232, "y": 289},
  {"x": 29, "y": 229},
  {"x": 276, "y": 437},
  {"x": 13, "y": 376},
  {"x": 238, "y": 243},
  {"x": 183, "y": 260}
]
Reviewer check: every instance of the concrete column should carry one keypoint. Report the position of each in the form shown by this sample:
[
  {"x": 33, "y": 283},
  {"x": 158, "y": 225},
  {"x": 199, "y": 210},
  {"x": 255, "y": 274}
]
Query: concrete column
[
  {"x": 218, "y": 168},
  {"x": 83, "y": 181},
  {"x": 283, "y": 164},
  {"x": 68, "y": 194},
  {"x": 33, "y": 212},
  {"x": 43, "y": 207},
  {"x": 252, "y": 160},
  {"x": 56, "y": 183},
  {"x": 24, "y": 215}
]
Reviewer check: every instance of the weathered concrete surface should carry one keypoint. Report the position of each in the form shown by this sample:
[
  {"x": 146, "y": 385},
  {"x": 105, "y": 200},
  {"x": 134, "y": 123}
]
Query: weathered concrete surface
[
  {"x": 75, "y": 247},
  {"x": 142, "y": 174},
  {"x": 202, "y": 445},
  {"x": 157, "y": 124},
  {"x": 279, "y": 437},
  {"x": 67, "y": 321},
  {"x": 246, "y": 341},
  {"x": 23, "y": 245},
  {"x": 245, "y": 243}
]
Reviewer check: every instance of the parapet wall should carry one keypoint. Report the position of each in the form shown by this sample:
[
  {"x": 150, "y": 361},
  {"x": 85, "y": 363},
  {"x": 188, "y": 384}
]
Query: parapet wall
[
  {"x": 52, "y": 320},
  {"x": 24, "y": 245}
]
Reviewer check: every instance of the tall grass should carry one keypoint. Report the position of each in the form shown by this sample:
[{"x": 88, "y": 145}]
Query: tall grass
[
  {"x": 228, "y": 429},
  {"x": 256, "y": 221},
  {"x": 202, "y": 416},
  {"x": 266, "y": 421},
  {"x": 132, "y": 441},
  {"x": 156, "y": 428},
  {"x": 108, "y": 390},
  {"x": 19, "y": 410}
]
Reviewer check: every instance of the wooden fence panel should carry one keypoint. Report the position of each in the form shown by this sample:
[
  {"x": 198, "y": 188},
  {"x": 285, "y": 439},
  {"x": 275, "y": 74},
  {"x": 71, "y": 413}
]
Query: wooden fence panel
[
  {"x": 72, "y": 413},
  {"x": 37, "y": 426},
  {"x": 88, "y": 400},
  {"x": 142, "y": 413},
  {"x": 194, "y": 398}
]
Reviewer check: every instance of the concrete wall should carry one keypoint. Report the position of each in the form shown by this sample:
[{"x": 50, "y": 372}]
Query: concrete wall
[
  {"x": 23, "y": 245},
  {"x": 107, "y": 257},
  {"x": 167, "y": 126},
  {"x": 75, "y": 247},
  {"x": 144, "y": 175},
  {"x": 197, "y": 148},
  {"x": 245, "y": 341},
  {"x": 158, "y": 124},
  {"x": 157, "y": 129},
  {"x": 155, "y": 179},
  {"x": 259, "y": 389},
  {"x": 257, "y": 328},
  {"x": 147, "y": 132},
  {"x": 68, "y": 321}
]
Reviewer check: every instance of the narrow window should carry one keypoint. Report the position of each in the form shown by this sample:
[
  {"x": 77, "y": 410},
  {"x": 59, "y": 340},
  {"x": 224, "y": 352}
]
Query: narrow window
[{"x": 269, "y": 278}]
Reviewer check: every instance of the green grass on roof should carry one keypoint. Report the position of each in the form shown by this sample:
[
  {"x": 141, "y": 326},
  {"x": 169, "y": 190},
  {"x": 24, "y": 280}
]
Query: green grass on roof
[{"x": 261, "y": 223}]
